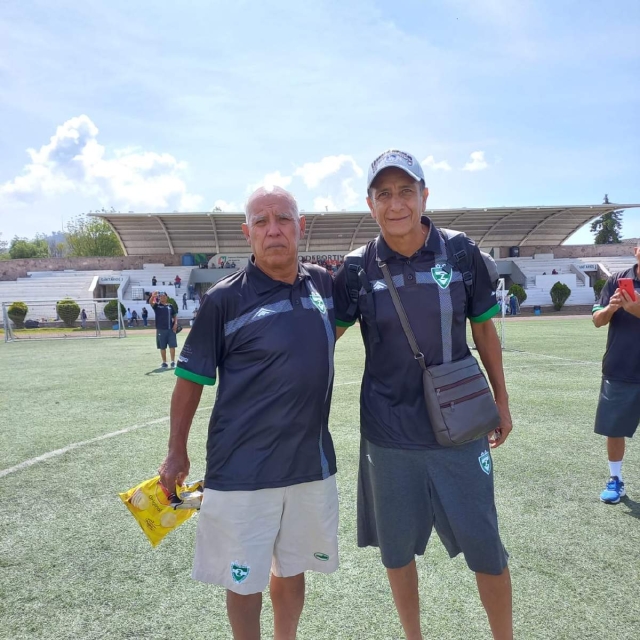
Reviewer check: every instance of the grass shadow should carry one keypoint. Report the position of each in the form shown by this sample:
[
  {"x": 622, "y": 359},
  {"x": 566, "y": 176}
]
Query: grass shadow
[
  {"x": 632, "y": 506},
  {"x": 157, "y": 371}
]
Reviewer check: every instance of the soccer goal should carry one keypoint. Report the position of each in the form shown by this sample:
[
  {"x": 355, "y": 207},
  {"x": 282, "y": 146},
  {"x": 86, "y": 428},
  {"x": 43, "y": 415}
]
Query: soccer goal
[
  {"x": 68, "y": 319},
  {"x": 501, "y": 295}
]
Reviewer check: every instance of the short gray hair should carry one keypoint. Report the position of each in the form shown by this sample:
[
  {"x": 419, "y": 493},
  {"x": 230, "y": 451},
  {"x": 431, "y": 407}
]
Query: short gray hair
[{"x": 265, "y": 191}]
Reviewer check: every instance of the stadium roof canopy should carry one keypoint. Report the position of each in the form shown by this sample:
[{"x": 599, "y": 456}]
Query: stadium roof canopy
[{"x": 339, "y": 231}]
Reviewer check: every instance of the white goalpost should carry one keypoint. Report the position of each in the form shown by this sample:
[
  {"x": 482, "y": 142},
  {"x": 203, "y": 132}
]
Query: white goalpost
[
  {"x": 44, "y": 320},
  {"x": 501, "y": 295}
]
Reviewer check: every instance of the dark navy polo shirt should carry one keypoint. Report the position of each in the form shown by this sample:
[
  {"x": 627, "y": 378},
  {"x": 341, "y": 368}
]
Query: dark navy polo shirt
[
  {"x": 622, "y": 357},
  {"x": 164, "y": 315},
  {"x": 270, "y": 347},
  {"x": 392, "y": 407}
]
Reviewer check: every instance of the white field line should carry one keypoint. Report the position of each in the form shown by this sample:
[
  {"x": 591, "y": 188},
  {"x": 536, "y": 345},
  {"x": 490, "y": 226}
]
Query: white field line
[
  {"x": 544, "y": 355},
  {"x": 106, "y": 436}
]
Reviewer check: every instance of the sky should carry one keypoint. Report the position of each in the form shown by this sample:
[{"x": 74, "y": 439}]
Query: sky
[{"x": 186, "y": 106}]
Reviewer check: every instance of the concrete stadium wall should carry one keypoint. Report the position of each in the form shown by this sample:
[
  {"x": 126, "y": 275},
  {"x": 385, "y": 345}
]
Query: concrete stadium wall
[
  {"x": 579, "y": 251},
  {"x": 14, "y": 269}
]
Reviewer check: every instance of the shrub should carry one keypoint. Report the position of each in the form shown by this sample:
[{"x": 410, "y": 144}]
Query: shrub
[
  {"x": 68, "y": 310},
  {"x": 17, "y": 312},
  {"x": 517, "y": 291},
  {"x": 597, "y": 287},
  {"x": 111, "y": 310},
  {"x": 559, "y": 295}
]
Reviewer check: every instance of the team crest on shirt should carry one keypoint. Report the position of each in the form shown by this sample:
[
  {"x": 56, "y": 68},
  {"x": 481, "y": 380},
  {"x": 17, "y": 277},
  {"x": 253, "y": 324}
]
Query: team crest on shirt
[
  {"x": 485, "y": 462},
  {"x": 239, "y": 572},
  {"x": 318, "y": 302},
  {"x": 442, "y": 274}
]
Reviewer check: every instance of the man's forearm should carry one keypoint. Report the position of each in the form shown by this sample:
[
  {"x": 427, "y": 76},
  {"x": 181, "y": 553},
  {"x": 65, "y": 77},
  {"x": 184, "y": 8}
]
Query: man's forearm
[
  {"x": 602, "y": 317},
  {"x": 490, "y": 350},
  {"x": 184, "y": 402}
]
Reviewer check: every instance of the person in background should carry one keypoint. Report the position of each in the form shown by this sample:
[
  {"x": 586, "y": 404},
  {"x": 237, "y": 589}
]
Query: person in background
[
  {"x": 513, "y": 305},
  {"x": 134, "y": 318},
  {"x": 145, "y": 316},
  {"x": 166, "y": 326},
  {"x": 154, "y": 281},
  {"x": 184, "y": 301},
  {"x": 83, "y": 319},
  {"x": 618, "y": 413},
  {"x": 129, "y": 317},
  {"x": 177, "y": 282},
  {"x": 554, "y": 272}
]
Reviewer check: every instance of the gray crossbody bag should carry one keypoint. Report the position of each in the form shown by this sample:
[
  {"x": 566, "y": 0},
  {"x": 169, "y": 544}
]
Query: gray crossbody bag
[{"x": 459, "y": 402}]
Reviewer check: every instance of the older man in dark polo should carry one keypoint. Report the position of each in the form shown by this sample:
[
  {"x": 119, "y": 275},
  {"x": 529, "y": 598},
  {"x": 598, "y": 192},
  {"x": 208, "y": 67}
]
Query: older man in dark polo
[{"x": 266, "y": 334}]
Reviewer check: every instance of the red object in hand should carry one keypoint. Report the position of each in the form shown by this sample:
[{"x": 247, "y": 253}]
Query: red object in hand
[{"x": 626, "y": 284}]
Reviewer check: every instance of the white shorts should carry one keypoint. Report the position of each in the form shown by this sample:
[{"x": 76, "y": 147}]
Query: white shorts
[{"x": 243, "y": 536}]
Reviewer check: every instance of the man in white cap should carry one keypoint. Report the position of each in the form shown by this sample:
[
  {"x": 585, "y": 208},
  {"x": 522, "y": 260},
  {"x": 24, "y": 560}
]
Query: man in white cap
[{"x": 409, "y": 483}]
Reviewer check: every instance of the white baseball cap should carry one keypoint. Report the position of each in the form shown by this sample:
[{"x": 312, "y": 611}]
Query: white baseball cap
[{"x": 395, "y": 158}]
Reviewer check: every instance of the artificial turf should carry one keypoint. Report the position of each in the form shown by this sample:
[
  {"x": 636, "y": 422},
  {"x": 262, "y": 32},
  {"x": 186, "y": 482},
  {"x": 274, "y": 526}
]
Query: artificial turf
[{"x": 74, "y": 564}]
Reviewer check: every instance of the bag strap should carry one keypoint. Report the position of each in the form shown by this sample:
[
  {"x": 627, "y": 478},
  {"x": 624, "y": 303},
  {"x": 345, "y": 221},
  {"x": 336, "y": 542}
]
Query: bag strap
[
  {"x": 460, "y": 255},
  {"x": 402, "y": 314}
]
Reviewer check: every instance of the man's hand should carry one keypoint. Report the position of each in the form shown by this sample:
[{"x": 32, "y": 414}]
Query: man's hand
[
  {"x": 503, "y": 431},
  {"x": 174, "y": 470},
  {"x": 628, "y": 304},
  {"x": 616, "y": 300}
]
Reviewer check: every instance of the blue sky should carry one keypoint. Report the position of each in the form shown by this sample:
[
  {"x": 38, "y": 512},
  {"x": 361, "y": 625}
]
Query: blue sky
[{"x": 187, "y": 105}]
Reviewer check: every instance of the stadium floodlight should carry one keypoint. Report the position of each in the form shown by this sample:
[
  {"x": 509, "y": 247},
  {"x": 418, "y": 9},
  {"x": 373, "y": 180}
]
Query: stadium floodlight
[{"x": 42, "y": 321}]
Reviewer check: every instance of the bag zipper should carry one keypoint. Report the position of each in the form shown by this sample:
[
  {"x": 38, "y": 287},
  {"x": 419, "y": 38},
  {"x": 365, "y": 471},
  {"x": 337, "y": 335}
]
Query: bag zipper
[
  {"x": 459, "y": 383},
  {"x": 471, "y": 396}
]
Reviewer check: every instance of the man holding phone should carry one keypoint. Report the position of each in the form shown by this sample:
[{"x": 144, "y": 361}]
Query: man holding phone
[
  {"x": 618, "y": 413},
  {"x": 166, "y": 326}
]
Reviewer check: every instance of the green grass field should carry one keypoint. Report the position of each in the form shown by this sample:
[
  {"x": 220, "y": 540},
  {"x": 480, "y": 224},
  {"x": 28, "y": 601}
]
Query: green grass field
[{"x": 74, "y": 564}]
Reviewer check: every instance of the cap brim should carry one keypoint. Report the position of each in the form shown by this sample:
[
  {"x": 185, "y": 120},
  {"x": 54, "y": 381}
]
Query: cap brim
[{"x": 392, "y": 166}]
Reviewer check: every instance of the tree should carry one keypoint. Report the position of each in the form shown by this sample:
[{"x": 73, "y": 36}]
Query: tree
[
  {"x": 560, "y": 293},
  {"x": 68, "y": 310},
  {"x": 4, "y": 249},
  {"x": 87, "y": 237},
  {"x": 23, "y": 248},
  {"x": 608, "y": 227}
]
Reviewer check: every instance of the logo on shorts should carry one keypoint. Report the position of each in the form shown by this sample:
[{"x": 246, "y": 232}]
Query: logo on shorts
[
  {"x": 485, "y": 462},
  {"x": 318, "y": 302},
  {"x": 442, "y": 274},
  {"x": 321, "y": 556},
  {"x": 239, "y": 572}
]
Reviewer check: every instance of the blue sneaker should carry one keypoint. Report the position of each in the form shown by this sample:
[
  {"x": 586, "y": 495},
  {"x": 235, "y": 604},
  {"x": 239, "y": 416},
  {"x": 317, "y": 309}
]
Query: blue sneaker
[
  {"x": 613, "y": 492},
  {"x": 164, "y": 365}
]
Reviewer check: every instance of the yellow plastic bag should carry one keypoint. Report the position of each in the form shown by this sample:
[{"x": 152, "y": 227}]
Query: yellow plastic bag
[{"x": 154, "y": 510}]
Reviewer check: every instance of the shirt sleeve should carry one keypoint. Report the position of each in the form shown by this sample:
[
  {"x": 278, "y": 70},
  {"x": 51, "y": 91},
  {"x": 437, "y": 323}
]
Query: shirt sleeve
[
  {"x": 607, "y": 292},
  {"x": 484, "y": 303},
  {"x": 342, "y": 300},
  {"x": 202, "y": 351}
]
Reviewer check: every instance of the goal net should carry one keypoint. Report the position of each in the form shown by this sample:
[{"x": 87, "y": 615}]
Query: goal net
[{"x": 46, "y": 320}]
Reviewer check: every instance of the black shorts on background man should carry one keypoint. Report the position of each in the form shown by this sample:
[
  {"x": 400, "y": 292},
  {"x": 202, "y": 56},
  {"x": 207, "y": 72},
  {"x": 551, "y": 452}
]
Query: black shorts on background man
[{"x": 166, "y": 326}]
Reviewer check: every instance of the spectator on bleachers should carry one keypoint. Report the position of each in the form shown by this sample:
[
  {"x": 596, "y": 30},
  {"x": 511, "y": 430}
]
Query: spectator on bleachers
[
  {"x": 192, "y": 291},
  {"x": 184, "y": 301},
  {"x": 145, "y": 316},
  {"x": 154, "y": 281},
  {"x": 554, "y": 273},
  {"x": 177, "y": 282}
]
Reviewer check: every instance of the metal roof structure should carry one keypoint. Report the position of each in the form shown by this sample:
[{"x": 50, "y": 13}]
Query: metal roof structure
[{"x": 339, "y": 231}]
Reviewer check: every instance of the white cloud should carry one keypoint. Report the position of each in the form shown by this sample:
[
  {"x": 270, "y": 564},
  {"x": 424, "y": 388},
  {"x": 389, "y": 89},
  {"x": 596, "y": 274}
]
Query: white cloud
[
  {"x": 324, "y": 204},
  {"x": 313, "y": 173},
  {"x": 226, "y": 206},
  {"x": 477, "y": 162},
  {"x": 74, "y": 161},
  {"x": 430, "y": 163}
]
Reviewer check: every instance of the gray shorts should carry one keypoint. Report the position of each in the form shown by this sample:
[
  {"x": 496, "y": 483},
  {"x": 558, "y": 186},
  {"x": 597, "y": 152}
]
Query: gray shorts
[
  {"x": 404, "y": 493},
  {"x": 618, "y": 413},
  {"x": 166, "y": 338}
]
